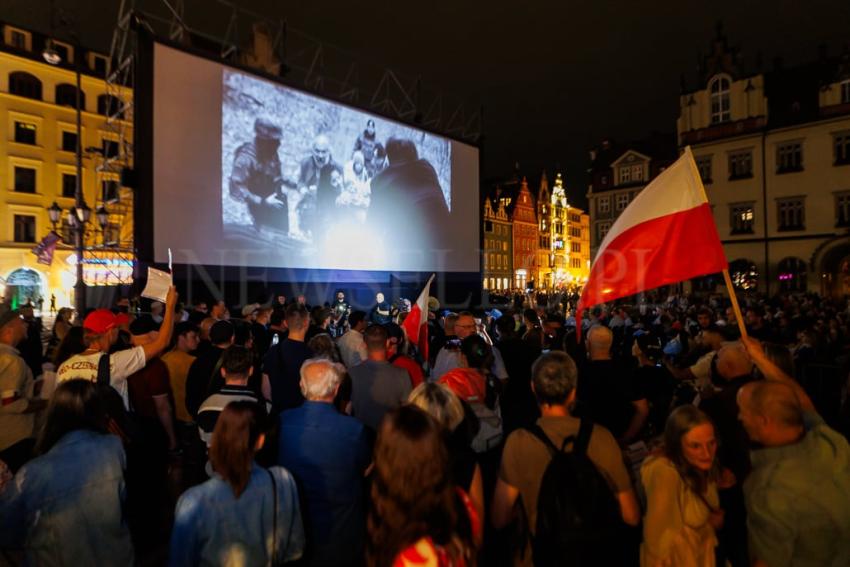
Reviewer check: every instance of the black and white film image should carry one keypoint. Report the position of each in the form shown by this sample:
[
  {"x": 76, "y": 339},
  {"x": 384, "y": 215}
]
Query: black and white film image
[{"x": 322, "y": 185}]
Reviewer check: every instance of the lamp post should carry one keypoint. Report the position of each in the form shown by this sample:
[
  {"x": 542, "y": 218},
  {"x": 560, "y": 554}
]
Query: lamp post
[{"x": 81, "y": 212}]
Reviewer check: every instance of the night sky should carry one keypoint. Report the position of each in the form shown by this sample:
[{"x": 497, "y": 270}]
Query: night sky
[{"x": 554, "y": 78}]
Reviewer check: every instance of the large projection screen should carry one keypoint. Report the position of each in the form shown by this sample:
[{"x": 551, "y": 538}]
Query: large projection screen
[{"x": 249, "y": 172}]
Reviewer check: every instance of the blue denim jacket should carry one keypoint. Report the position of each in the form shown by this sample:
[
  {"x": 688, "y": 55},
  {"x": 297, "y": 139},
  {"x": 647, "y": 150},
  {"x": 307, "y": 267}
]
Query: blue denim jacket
[
  {"x": 213, "y": 527},
  {"x": 65, "y": 507}
]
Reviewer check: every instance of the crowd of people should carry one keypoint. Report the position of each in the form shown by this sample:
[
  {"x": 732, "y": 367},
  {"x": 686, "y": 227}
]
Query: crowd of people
[{"x": 322, "y": 436}]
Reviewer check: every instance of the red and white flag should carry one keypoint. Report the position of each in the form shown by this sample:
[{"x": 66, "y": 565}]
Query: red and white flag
[
  {"x": 416, "y": 322},
  {"x": 666, "y": 235}
]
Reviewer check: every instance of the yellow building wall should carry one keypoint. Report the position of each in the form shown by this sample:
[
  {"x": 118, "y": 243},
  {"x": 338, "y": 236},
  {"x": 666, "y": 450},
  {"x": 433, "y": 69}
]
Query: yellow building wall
[{"x": 47, "y": 157}]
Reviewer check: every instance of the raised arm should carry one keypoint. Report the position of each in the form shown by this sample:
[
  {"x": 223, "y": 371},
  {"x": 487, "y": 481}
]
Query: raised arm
[
  {"x": 774, "y": 373},
  {"x": 164, "y": 339}
]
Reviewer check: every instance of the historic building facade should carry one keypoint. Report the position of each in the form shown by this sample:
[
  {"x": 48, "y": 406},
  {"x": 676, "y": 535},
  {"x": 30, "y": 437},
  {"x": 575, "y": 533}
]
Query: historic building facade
[
  {"x": 38, "y": 168},
  {"x": 773, "y": 149},
  {"x": 497, "y": 257},
  {"x": 525, "y": 237}
]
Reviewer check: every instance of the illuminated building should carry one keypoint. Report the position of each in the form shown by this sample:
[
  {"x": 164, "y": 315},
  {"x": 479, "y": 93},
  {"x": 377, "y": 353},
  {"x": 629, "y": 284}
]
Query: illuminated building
[
  {"x": 38, "y": 168},
  {"x": 525, "y": 237},
  {"x": 563, "y": 241},
  {"x": 773, "y": 149},
  {"x": 497, "y": 257}
]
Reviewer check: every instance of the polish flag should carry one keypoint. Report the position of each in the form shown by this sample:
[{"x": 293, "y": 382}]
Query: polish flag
[
  {"x": 416, "y": 322},
  {"x": 666, "y": 235}
]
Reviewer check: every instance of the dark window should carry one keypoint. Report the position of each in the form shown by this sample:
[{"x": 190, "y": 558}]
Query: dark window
[
  {"x": 742, "y": 218},
  {"x": 25, "y": 133},
  {"x": 69, "y": 185},
  {"x": 110, "y": 148},
  {"x": 792, "y": 274},
  {"x": 704, "y": 166},
  {"x": 69, "y": 141},
  {"x": 791, "y": 214},
  {"x": 789, "y": 157},
  {"x": 842, "y": 148},
  {"x": 99, "y": 65},
  {"x": 66, "y": 95},
  {"x": 111, "y": 234},
  {"x": 488, "y": 226},
  {"x": 575, "y": 246},
  {"x": 18, "y": 39},
  {"x": 740, "y": 165},
  {"x": 108, "y": 105},
  {"x": 24, "y": 84},
  {"x": 62, "y": 51},
  {"x": 845, "y": 92},
  {"x": 109, "y": 188},
  {"x": 24, "y": 228},
  {"x": 842, "y": 209},
  {"x": 24, "y": 179}
]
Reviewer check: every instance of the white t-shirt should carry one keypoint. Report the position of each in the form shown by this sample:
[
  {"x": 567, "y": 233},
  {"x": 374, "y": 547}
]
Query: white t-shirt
[{"x": 121, "y": 365}]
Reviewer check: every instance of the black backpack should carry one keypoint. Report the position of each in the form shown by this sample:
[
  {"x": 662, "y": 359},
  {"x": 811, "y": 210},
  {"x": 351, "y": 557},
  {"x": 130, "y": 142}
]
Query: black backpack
[
  {"x": 120, "y": 422},
  {"x": 577, "y": 514}
]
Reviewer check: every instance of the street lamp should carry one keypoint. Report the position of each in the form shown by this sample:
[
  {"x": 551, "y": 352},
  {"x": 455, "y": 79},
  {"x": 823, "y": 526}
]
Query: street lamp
[
  {"x": 81, "y": 210},
  {"x": 54, "y": 212}
]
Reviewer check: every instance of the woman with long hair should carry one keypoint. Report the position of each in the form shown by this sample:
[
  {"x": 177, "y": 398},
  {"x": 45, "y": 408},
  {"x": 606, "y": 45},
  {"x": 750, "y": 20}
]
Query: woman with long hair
[
  {"x": 61, "y": 326},
  {"x": 682, "y": 505},
  {"x": 245, "y": 514},
  {"x": 418, "y": 516},
  {"x": 65, "y": 506}
]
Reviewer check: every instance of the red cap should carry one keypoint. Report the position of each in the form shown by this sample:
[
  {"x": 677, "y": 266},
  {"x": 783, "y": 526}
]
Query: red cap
[{"x": 100, "y": 321}]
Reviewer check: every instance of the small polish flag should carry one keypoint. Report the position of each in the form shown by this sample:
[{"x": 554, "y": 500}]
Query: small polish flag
[
  {"x": 666, "y": 235},
  {"x": 416, "y": 322}
]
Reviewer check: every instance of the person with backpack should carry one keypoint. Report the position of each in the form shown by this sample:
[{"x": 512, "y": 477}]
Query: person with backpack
[
  {"x": 100, "y": 334},
  {"x": 682, "y": 504},
  {"x": 473, "y": 383},
  {"x": 576, "y": 493}
]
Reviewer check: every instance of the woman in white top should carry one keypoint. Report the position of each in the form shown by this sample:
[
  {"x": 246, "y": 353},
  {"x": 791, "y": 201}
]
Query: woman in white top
[{"x": 682, "y": 505}]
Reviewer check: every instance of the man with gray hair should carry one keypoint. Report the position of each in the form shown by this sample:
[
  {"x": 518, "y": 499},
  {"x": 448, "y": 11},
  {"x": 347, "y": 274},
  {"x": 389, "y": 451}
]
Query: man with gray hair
[
  {"x": 526, "y": 457},
  {"x": 328, "y": 454}
]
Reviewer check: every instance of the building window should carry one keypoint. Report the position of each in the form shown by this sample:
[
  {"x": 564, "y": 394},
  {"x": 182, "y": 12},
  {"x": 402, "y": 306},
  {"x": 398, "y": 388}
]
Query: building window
[
  {"x": 842, "y": 209},
  {"x": 66, "y": 95},
  {"x": 602, "y": 229},
  {"x": 791, "y": 214},
  {"x": 625, "y": 175},
  {"x": 111, "y": 234},
  {"x": 575, "y": 262},
  {"x": 789, "y": 157},
  {"x": 622, "y": 201},
  {"x": 18, "y": 39},
  {"x": 25, "y": 133},
  {"x": 744, "y": 274},
  {"x": 604, "y": 204},
  {"x": 575, "y": 246},
  {"x": 110, "y": 148},
  {"x": 69, "y": 185},
  {"x": 24, "y": 179},
  {"x": 69, "y": 141},
  {"x": 842, "y": 148},
  {"x": 637, "y": 173},
  {"x": 24, "y": 84},
  {"x": 740, "y": 165},
  {"x": 108, "y": 105},
  {"x": 845, "y": 92},
  {"x": 488, "y": 226},
  {"x": 792, "y": 274},
  {"x": 98, "y": 64},
  {"x": 720, "y": 106},
  {"x": 63, "y": 50},
  {"x": 24, "y": 228},
  {"x": 742, "y": 218},
  {"x": 704, "y": 166}
]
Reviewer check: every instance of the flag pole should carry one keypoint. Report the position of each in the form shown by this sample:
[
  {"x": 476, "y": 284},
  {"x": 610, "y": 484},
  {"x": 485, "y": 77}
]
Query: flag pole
[{"x": 735, "y": 307}]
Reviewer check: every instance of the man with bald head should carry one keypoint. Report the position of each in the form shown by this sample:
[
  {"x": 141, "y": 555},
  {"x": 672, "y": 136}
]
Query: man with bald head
[
  {"x": 449, "y": 356},
  {"x": 328, "y": 454},
  {"x": 607, "y": 390},
  {"x": 798, "y": 493}
]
